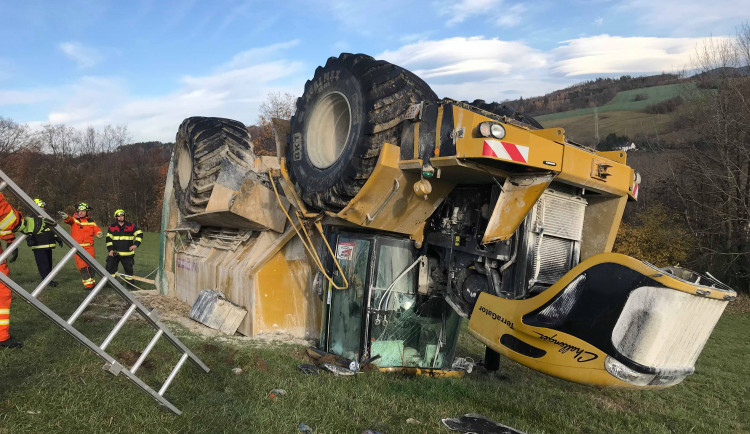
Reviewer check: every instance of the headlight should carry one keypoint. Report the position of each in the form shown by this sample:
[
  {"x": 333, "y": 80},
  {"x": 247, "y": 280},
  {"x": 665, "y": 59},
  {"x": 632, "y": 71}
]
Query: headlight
[
  {"x": 665, "y": 377},
  {"x": 491, "y": 129}
]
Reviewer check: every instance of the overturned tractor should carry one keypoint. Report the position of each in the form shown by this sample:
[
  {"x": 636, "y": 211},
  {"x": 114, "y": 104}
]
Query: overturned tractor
[{"x": 390, "y": 215}]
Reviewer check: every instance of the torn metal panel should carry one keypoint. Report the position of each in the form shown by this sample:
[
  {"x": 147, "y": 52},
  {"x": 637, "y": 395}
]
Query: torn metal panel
[{"x": 214, "y": 310}]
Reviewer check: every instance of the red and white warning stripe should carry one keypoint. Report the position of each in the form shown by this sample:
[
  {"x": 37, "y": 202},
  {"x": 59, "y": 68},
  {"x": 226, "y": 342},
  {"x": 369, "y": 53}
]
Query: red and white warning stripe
[
  {"x": 506, "y": 151},
  {"x": 635, "y": 191}
]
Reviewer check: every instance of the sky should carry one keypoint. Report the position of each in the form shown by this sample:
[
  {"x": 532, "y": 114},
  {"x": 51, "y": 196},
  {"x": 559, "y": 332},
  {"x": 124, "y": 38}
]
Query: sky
[{"x": 149, "y": 64}]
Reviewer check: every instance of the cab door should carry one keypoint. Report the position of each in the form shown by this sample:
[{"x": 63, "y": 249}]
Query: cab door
[{"x": 344, "y": 319}]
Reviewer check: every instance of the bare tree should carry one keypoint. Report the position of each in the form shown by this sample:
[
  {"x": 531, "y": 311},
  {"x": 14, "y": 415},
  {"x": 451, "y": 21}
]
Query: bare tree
[
  {"x": 59, "y": 139},
  {"x": 13, "y": 136},
  {"x": 714, "y": 179},
  {"x": 277, "y": 105}
]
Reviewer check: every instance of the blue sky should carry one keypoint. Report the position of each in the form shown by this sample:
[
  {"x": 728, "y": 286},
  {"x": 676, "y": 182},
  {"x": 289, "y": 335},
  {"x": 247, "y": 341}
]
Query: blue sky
[{"x": 149, "y": 64}]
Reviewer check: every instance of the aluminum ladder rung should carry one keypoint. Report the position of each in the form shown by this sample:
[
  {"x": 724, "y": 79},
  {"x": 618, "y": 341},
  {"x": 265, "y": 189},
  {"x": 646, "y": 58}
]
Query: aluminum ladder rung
[
  {"x": 151, "y": 316},
  {"x": 146, "y": 352},
  {"x": 84, "y": 304},
  {"x": 173, "y": 374},
  {"x": 13, "y": 246},
  {"x": 53, "y": 273},
  {"x": 118, "y": 326}
]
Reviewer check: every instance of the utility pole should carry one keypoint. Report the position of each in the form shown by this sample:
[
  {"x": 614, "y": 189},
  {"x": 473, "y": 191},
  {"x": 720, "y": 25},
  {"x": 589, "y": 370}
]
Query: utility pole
[{"x": 596, "y": 125}]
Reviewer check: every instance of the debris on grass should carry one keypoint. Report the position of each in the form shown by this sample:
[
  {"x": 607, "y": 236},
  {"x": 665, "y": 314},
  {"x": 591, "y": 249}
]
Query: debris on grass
[
  {"x": 305, "y": 429},
  {"x": 337, "y": 370},
  {"x": 237, "y": 371},
  {"x": 475, "y": 423},
  {"x": 413, "y": 421},
  {"x": 308, "y": 368},
  {"x": 213, "y": 309},
  {"x": 275, "y": 393}
]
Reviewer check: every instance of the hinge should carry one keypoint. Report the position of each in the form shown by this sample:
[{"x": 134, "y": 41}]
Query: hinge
[
  {"x": 600, "y": 170},
  {"x": 458, "y": 134}
]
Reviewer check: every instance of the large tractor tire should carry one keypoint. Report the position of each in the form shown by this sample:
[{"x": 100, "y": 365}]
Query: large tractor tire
[
  {"x": 351, "y": 107},
  {"x": 504, "y": 110},
  {"x": 200, "y": 146}
]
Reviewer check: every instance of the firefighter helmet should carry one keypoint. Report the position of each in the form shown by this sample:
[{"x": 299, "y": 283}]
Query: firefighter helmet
[
  {"x": 40, "y": 203},
  {"x": 120, "y": 212},
  {"x": 83, "y": 206}
]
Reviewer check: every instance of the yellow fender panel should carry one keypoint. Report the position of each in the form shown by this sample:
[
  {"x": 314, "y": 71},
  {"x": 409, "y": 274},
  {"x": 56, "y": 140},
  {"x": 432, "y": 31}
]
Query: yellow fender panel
[{"x": 513, "y": 327}]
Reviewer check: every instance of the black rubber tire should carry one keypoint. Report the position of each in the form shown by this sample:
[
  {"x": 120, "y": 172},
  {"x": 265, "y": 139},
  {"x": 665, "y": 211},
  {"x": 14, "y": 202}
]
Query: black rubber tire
[
  {"x": 504, "y": 110},
  {"x": 205, "y": 142},
  {"x": 378, "y": 94}
]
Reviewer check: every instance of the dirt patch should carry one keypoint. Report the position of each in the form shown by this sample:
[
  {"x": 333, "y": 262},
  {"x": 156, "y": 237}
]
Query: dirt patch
[
  {"x": 129, "y": 357},
  {"x": 261, "y": 364},
  {"x": 229, "y": 359},
  {"x": 741, "y": 305},
  {"x": 609, "y": 404}
]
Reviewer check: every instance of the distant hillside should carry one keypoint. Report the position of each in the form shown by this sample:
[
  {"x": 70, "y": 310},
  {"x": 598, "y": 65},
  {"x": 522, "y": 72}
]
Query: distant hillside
[
  {"x": 629, "y": 100},
  {"x": 588, "y": 94}
]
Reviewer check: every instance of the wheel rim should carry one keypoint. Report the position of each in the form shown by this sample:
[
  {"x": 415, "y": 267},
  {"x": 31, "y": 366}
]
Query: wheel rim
[
  {"x": 184, "y": 165},
  {"x": 328, "y": 130}
]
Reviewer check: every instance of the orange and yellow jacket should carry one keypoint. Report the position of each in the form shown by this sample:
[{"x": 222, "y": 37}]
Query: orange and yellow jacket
[
  {"x": 83, "y": 230},
  {"x": 10, "y": 218}
]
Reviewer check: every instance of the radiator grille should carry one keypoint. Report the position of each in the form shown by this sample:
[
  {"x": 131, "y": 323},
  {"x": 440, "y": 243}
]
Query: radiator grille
[
  {"x": 554, "y": 258},
  {"x": 562, "y": 215},
  {"x": 558, "y": 220}
]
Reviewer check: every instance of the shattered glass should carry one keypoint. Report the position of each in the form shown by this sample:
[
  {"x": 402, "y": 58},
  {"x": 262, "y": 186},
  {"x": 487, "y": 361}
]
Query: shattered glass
[{"x": 407, "y": 329}]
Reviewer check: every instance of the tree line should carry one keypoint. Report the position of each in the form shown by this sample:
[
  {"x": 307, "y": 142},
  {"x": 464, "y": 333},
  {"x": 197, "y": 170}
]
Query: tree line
[{"x": 63, "y": 165}]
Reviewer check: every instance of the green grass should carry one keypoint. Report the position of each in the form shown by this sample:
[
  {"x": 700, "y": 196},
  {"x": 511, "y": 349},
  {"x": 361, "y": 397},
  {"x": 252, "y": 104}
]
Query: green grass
[
  {"x": 624, "y": 101},
  {"x": 580, "y": 129},
  {"x": 54, "y": 385}
]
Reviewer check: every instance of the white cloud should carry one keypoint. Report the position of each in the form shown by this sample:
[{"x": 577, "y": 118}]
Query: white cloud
[
  {"x": 459, "y": 11},
  {"x": 496, "y": 12},
  {"x": 234, "y": 90},
  {"x": 511, "y": 16},
  {"x": 491, "y": 69},
  {"x": 85, "y": 57},
  {"x": 259, "y": 54},
  {"x": 599, "y": 21},
  {"x": 606, "y": 54},
  {"x": 688, "y": 18},
  {"x": 461, "y": 67},
  {"x": 20, "y": 97}
]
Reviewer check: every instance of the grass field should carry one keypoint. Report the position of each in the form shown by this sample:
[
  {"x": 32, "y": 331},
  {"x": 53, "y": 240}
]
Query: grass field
[
  {"x": 625, "y": 101},
  {"x": 580, "y": 129},
  {"x": 54, "y": 385}
]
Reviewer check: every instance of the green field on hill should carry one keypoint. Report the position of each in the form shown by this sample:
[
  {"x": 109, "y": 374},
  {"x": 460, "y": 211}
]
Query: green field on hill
[
  {"x": 625, "y": 101},
  {"x": 580, "y": 129}
]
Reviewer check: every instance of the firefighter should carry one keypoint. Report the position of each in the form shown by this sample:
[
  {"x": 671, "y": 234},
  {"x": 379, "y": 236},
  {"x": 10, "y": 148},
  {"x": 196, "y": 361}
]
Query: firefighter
[
  {"x": 42, "y": 244},
  {"x": 83, "y": 229},
  {"x": 123, "y": 237},
  {"x": 11, "y": 220}
]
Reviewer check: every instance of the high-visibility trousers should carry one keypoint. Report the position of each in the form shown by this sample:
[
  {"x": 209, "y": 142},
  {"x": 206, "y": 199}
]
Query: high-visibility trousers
[
  {"x": 127, "y": 264},
  {"x": 87, "y": 273},
  {"x": 4, "y": 305}
]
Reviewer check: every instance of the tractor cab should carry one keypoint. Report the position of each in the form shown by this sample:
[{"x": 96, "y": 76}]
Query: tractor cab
[{"x": 382, "y": 312}]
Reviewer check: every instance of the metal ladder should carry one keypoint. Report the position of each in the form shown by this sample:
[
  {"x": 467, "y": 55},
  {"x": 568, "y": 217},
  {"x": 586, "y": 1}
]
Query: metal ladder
[{"x": 151, "y": 316}]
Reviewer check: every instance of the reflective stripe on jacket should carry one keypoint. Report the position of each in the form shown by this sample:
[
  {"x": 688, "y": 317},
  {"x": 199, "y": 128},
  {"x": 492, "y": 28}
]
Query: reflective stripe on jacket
[
  {"x": 10, "y": 219},
  {"x": 83, "y": 230},
  {"x": 44, "y": 240},
  {"x": 121, "y": 237}
]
